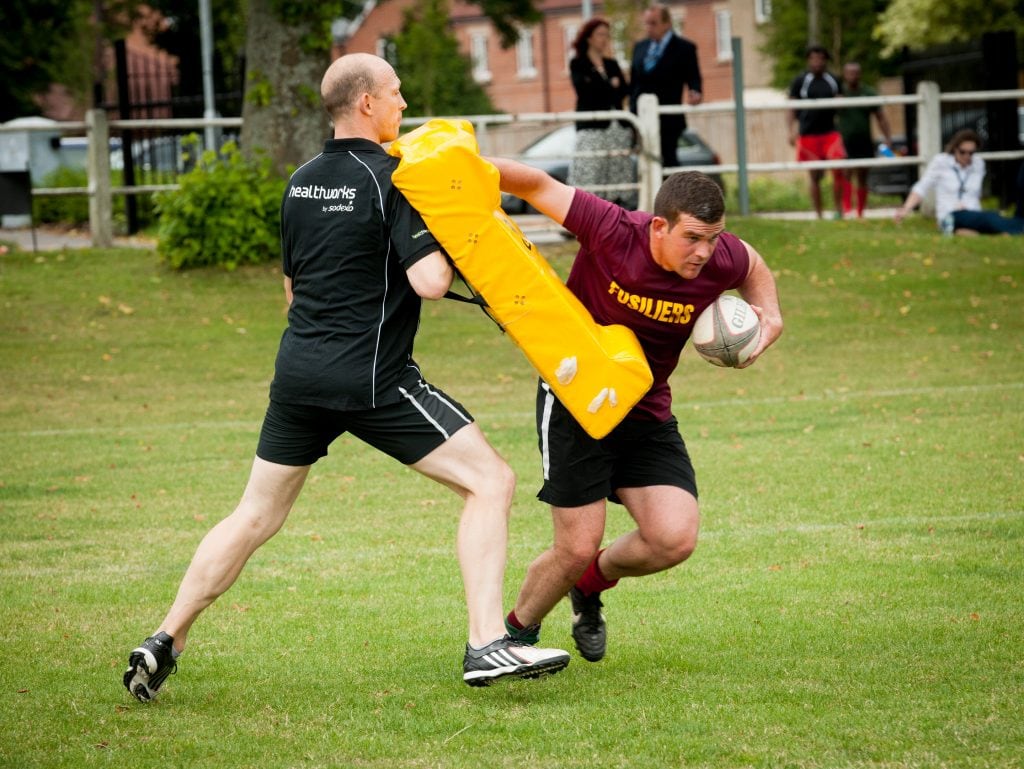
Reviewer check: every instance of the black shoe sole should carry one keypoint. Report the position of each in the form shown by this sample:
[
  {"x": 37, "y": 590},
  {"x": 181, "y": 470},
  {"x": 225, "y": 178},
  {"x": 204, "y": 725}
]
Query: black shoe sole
[
  {"x": 135, "y": 662},
  {"x": 589, "y": 655},
  {"x": 530, "y": 673}
]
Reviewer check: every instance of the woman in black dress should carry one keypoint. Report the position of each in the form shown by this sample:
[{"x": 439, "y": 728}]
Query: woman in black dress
[{"x": 602, "y": 146}]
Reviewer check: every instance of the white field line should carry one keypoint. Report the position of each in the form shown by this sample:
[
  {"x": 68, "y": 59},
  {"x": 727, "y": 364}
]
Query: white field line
[
  {"x": 732, "y": 531},
  {"x": 849, "y": 395},
  {"x": 679, "y": 406}
]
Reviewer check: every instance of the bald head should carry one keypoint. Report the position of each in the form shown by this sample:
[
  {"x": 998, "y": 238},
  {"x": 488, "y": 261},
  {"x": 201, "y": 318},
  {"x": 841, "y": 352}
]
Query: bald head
[{"x": 348, "y": 78}]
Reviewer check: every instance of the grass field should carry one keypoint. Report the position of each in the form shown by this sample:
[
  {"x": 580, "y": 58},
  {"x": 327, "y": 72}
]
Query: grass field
[{"x": 855, "y": 601}]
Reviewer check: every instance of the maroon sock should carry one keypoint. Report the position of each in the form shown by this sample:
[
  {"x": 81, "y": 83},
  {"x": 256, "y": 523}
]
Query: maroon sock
[
  {"x": 592, "y": 580},
  {"x": 513, "y": 620}
]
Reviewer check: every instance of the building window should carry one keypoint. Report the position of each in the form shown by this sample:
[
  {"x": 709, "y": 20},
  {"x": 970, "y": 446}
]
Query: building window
[
  {"x": 386, "y": 49},
  {"x": 478, "y": 55},
  {"x": 524, "y": 54},
  {"x": 568, "y": 36},
  {"x": 762, "y": 11},
  {"x": 723, "y": 35}
]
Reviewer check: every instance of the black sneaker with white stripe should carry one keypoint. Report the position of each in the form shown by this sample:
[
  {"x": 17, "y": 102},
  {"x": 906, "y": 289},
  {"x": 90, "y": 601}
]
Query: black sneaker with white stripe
[
  {"x": 505, "y": 658},
  {"x": 148, "y": 667}
]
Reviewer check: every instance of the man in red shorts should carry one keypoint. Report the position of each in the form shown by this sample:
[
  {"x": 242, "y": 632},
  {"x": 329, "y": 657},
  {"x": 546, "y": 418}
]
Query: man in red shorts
[
  {"x": 813, "y": 131},
  {"x": 680, "y": 254}
]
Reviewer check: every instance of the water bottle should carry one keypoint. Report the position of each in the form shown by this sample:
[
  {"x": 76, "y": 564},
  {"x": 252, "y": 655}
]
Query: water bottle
[{"x": 885, "y": 151}]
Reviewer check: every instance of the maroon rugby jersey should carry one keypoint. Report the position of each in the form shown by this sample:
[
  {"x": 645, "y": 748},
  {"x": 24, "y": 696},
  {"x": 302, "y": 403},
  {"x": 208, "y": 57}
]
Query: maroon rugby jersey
[{"x": 616, "y": 278}]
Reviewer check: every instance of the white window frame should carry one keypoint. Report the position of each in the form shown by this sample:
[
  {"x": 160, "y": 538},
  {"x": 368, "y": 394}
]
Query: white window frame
[
  {"x": 568, "y": 36},
  {"x": 723, "y": 34},
  {"x": 479, "y": 55},
  {"x": 525, "y": 60},
  {"x": 385, "y": 48},
  {"x": 762, "y": 11}
]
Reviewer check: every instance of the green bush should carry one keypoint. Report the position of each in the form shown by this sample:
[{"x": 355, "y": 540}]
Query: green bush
[
  {"x": 227, "y": 213},
  {"x": 63, "y": 209}
]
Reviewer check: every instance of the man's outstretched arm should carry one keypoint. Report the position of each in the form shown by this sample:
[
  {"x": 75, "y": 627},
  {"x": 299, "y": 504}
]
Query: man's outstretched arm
[{"x": 546, "y": 194}]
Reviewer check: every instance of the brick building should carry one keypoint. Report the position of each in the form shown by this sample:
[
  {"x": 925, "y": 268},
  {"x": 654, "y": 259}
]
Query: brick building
[{"x": 533, "y": 75}]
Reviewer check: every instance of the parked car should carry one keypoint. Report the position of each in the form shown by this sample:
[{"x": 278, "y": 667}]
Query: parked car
[
  {"x": 553, "y": 152},
  {"x": 893, "y": 180}
]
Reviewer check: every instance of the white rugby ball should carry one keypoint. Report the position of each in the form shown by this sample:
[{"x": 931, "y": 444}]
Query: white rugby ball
[{"x": 727, "y": 332}]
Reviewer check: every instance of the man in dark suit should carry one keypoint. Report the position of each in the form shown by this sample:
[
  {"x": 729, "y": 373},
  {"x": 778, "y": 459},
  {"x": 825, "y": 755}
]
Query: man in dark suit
[{"x": 664, "y": 64}]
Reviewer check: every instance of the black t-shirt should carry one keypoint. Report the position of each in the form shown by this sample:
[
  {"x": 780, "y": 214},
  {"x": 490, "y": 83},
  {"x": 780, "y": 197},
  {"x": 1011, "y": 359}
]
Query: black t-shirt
[
  {"x": 347, "y": 237},
  {"x": 810, "y": 86}
]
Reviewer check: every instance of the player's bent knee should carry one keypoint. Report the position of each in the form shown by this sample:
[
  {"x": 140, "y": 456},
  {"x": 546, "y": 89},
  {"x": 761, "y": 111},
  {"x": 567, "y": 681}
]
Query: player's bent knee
[
  {"x": 674, "y": 547},
  {"x": 498, "y": 474},
  {"x": 684, "y": 549},
  {"x": 505, "y": 480},
  {"x": 494, "y": 479},
  {"x": 670, "y": 554},
  {"x": 575, "y": 557}
]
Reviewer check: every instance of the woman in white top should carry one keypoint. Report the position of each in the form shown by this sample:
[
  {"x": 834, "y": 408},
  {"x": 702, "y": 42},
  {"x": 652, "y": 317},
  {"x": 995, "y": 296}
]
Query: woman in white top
[{"x": 956, "y": 176}]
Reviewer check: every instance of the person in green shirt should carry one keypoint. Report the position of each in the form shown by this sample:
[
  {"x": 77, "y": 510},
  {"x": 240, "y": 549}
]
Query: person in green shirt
[{"x": 855, "y": 127}]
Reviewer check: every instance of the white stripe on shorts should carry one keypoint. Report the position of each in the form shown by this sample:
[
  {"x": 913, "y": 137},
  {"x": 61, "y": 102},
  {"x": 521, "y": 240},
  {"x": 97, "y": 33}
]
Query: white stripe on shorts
[
  {"x": 409, "y": 397},
  {"x": 423, "y": 411},
  {"x": 545, "y": 424},
  {"x": 447, "y": 402}
]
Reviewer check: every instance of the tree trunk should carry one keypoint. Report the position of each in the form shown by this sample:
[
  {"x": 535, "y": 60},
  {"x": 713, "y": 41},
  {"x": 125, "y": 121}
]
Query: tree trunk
[{"x": 282, "y": 114}]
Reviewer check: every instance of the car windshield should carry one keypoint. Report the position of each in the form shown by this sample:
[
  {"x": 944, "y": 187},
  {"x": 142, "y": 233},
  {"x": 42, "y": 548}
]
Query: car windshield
[
  {"x": 559, "y": 143},
  {"x": 687, "y": 144}
]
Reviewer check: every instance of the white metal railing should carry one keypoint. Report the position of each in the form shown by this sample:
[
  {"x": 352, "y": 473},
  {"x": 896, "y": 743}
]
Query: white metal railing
[
  {"x": 481, "y": 124},
  {"x": 650, "y": 172},
  {"x": 928, "y": 100}
]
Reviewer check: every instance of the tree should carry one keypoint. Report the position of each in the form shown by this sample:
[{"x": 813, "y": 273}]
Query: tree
[
  {"x": 919, "y": 24},
  {"x": 42, "y": 43},
  {"x": 287, "y": 51},
  {"x": 180, "y": 36},
  {"x": 436, "y": 77},
  {"x": 506, "y": 15},
  {"x": 845, "y": 29}
]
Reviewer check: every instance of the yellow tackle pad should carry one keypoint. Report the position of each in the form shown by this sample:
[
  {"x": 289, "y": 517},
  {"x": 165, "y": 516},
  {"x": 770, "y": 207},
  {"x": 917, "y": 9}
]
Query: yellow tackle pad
[{"x": 598, "y": 372}]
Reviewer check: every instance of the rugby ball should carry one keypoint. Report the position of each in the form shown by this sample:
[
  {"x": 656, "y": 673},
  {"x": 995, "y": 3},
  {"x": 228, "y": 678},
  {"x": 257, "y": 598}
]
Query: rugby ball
[{"x": 727, "y": 332}]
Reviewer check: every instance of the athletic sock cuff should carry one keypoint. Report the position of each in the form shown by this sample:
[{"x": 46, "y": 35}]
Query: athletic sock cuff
[{"x": 592, "y": 580}]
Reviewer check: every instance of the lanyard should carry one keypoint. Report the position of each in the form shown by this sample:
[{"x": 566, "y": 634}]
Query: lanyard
[{"x": 961, "y": 179}]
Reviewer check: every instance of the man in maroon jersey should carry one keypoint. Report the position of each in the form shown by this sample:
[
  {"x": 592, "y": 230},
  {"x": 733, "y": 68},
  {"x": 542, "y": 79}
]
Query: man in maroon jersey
[{"x": 629, "y": 261}]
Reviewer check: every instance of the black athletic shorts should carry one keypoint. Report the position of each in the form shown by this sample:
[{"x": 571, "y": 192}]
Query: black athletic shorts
[
  {"x": 579, "y": 469},
  {"x": 859, "y": 146},
  {"x": 299, "y": 435}
]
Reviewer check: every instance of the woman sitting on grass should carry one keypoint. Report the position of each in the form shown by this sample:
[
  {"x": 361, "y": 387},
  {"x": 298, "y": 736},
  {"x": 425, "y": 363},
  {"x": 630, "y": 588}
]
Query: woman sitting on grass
[{"x": 956, "y": 176}]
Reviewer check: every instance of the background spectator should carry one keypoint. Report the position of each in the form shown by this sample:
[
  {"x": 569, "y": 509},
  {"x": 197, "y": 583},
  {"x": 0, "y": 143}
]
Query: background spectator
[
  {"x": 813, "y": 131},
  {"x": 602, "y": 146},
  {"x": 855, "y": 128},
  {"x": 664, "y": 64},
  {"x": 956, "y": 177}
]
